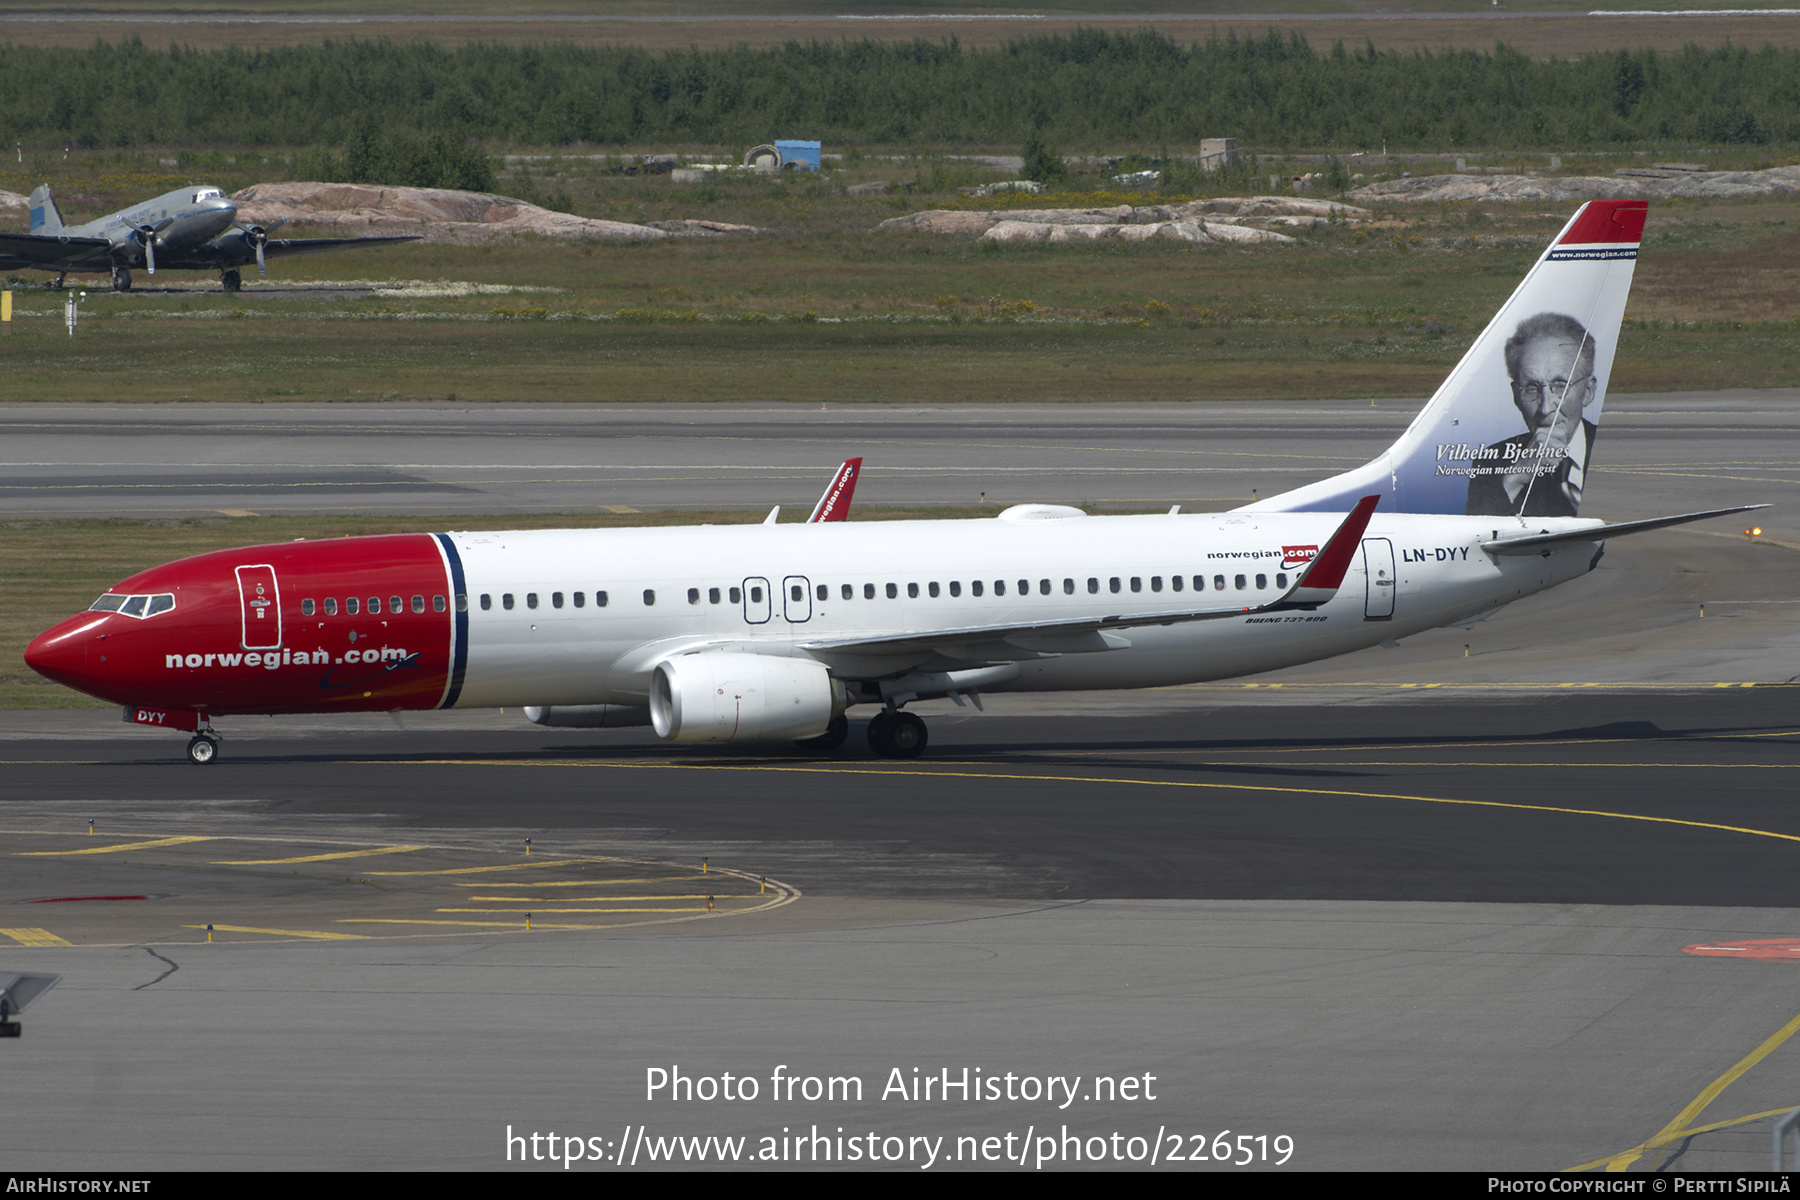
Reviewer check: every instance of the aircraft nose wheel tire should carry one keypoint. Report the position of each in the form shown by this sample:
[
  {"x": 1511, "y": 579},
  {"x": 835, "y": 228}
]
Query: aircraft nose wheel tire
[
  {"x": 121, "y": 279},
  {"x": 830, "y": 740},
  {"x": 232, "y": 281},
  {"x": 897, "y": 735},
  {"x": 202, "y": 749}
]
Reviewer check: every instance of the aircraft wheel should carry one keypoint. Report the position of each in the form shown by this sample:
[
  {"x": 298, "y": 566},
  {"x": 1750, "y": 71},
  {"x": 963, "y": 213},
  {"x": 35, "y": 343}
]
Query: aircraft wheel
[
  {"x": 906, "y": 736},
  {"x": 232, "y": 281},
  {"x": 830, "y": 740},
  {"x": 879, "y": 724},
  {"x": 202, "y": 749},
  {"x": 121, "y": 279}
]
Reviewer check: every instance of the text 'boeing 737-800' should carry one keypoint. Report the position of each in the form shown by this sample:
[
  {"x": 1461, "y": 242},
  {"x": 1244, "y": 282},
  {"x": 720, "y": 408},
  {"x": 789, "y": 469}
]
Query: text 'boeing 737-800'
[{"x": 773, "y": 632}]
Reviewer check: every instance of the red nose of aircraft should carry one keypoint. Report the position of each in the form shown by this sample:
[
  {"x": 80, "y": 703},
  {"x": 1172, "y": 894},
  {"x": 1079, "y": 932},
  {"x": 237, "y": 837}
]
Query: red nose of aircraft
[{"x": 64, "y": 652}]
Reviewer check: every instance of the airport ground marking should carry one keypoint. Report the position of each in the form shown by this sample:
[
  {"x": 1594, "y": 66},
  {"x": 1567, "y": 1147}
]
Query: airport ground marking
[
  {"x": 518, "y": 866},
  {"x": 35, "y": 937},
  {"x": 310, "y": 934},
  {"x": 1678, "y": 1128},
  {"x": 1013, "y": 777},
  {"x": 1679, "y": 1134},
  {"x": 313, "y": 858},
  {"x": 152, "y": 845},
  {"x": 683, "y": 908}
]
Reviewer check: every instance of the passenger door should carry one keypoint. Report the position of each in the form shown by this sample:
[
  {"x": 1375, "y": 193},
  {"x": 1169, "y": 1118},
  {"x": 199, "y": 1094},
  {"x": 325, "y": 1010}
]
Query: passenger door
[
  {"x": 796, "y": 599},
  {"x": 758, "y": 604},
  {"x": 1378, "y": 564},
  {"x": 261, "y": 605}
]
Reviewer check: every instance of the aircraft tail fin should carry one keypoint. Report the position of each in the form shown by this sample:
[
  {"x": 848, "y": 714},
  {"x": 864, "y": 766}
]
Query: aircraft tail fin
[
  {"x": 1511, "y": 430},
  {"x": 45, "y": 216},
  {"x": 834, "y": 504}
]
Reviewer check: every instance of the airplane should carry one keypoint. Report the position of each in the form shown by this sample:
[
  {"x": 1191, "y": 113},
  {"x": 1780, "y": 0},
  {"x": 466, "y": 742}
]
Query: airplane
[
  {"x": 764, "y": 633},
  {"x": 192, "y": 228}
]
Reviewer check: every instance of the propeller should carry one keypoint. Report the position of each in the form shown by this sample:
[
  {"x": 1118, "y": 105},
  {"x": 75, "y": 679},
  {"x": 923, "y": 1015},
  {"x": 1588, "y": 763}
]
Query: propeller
[
  {"x": 145, "y": 236},
  {"x": 258, "y": 237}
]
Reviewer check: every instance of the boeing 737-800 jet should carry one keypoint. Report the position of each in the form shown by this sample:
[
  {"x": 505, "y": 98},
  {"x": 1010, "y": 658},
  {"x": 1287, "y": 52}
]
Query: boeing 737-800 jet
[{"x": 772, "y": 632}]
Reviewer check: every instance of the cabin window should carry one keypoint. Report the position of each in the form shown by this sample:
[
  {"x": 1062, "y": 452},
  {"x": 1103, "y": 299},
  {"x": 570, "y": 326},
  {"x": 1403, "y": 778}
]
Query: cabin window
[
  {"x": 1024, "y": 587},
  {"x": 650, "y": 596},
  {"x": 1199, "y": 583},
  {"x": 556, "y": 599},
  {"x": 1218, "y": 583},
  {"x": 756, "y": 595},
  {"x": 530, "y": 599},
  {"x": 352, "y": 604},
  {"x": 1137, "y": 583},
  {"x": 975, "y": 588},
  {"x": 437, "y": 604},
  {"x": 1262, "y": 581},
  {"x": 868, "y": 591},
  {"x": 374, "y": 605},
  {"x": 462, "y": 602},
  {"x": 506, "y": 601},
  {"x": 1281, "y": 582},
  {"x": 712, "y": 595},
  {"x": 331, "y": 607},
  {"x": 418, "y": 604},
  {"x": 1240, "y": 583},
  {"x": 932, "y": 588},
  {"x": 735, "y": 594},
  {"x": 893, "y": 590},
  {"x": 824, "y": 591},
  {"x": 1068, "y": 587},
  {"x": 848, "y": 591},
  {"x": 487, "y": 602},
  {"x": 599, "y": 599},
  {"x": 1156, "y": 583},
  {"x": 796, "y": 593},
  {"x": 393, "y": 604},
  {"x": 1114, "y": 583},
  {"x": 693, "y": 595},
  {"x": 580, "y": 598},
  {"x": 306, "y": 608},
  {"x": 912, "y": 591},
  {"x": 955, "y": 587},
  {"x": 1175, "y": 582},
  {"x": 1093, "y": 586},
  {"x": 999, "y": 587}
]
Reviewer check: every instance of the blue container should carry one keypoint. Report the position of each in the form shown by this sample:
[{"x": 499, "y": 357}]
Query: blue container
[{"x": 801, "y": 154}]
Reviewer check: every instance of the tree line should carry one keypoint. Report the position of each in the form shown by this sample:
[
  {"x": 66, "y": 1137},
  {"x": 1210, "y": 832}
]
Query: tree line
[{"x": 1084, "y": 88}]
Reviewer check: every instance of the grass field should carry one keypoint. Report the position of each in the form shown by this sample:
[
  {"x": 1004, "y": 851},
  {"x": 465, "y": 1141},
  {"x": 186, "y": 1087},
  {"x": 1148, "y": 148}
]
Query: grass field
[{"x": 824, "y": 309}]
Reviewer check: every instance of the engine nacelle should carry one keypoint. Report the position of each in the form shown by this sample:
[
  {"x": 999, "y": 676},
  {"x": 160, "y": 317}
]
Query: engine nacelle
[
  {"x": 719, "y": 696},
  {"x": 588, "y": 716}
]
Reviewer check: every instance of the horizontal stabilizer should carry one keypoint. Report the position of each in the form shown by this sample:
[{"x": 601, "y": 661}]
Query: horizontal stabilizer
[{"x": 1535, "y": 542}]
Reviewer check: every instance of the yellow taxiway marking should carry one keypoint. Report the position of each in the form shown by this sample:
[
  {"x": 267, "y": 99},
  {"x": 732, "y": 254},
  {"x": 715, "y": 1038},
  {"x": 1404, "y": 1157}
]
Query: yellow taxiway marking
[
  {"x": 311, "y": 858},
  {"x": 1198, "y": 785},
  {"x": 297, "y": 933},
  {"x": 34, "y": 937},
  {"x": 170, "y": 841},
  {"x": 459, "y": 923},
  {"x": 683, "y": 908},
  {"x": 519, "y": 866},
  {"x": 1678, "y": 1128},
  {"x": 540, "y": 883},
  {"x": 595, "y": 899}
]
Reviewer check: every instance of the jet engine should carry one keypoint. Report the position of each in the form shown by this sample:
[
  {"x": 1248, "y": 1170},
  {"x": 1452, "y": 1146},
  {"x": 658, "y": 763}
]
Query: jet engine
[{"x": 720, "y": 696}]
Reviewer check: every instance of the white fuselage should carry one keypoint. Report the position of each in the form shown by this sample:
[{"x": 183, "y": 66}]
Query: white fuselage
[{"x": 782, "y": 590}]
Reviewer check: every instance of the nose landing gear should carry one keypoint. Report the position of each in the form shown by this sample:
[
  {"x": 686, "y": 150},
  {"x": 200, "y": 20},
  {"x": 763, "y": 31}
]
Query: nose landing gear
[
  {"x": 897, "y": 735},
  {"x": 203, "y": 748}
]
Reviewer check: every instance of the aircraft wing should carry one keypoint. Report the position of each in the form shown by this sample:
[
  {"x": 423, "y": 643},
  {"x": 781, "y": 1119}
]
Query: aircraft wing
[
  {"x": 54, "y": 251},
  {"x": 1316, "y": 585},
  {"x": 284, "y": 247},
  {"x": 1537, "y": 542}
]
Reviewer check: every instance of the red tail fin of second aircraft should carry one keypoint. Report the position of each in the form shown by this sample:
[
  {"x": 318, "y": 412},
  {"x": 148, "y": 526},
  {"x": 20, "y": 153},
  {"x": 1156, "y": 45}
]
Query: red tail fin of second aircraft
[{"x": 834, "y": 505}]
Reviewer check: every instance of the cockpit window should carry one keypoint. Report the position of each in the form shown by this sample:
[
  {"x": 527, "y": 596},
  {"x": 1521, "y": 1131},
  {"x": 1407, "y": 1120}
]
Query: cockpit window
[
  {"x": 207, "y": 194},
  {"x": 134, "y": 606}
]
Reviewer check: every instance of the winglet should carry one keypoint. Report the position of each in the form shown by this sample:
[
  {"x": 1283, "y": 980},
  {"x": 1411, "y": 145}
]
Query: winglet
[
  {"x": 834, "y": 505},
  {"x": 1325, "y": 574}
]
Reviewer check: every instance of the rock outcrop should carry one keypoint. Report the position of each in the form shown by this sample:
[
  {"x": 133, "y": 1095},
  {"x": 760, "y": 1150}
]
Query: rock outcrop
[
  {"x": 441, "y": 215},
  {"x": 1237, "y": 221},
  {"x": 1576, "y": 188}
]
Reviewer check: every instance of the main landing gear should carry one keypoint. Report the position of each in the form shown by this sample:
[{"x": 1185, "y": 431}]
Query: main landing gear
[
  {"x": 232, "y": 280},
  {"x": 897, "y": 735},
  {"x": 121, "y": 278},
  {"x": 203, "y": 748}
]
